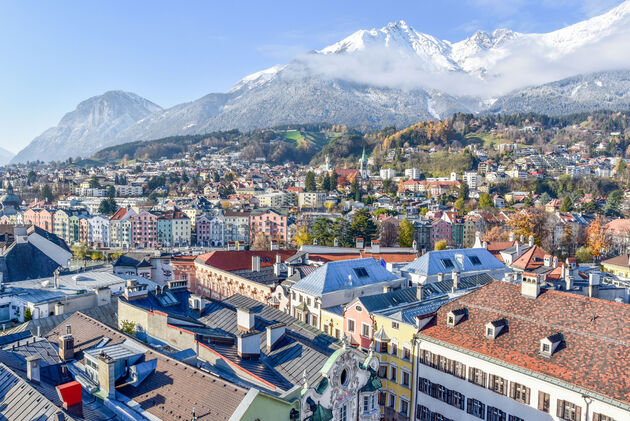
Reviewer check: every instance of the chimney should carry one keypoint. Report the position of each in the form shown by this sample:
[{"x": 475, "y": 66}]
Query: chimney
[
  {"x": 531, "y": 241},
  {"x": 274, "y": 334},
  {"x": 255, "y": 264},
  {"x": 455, "y": 275},
  {"x": 522, "y": 238},
  {"x": 66, "y": 345},
  {"x": 336, "y": 242},
  {"x": 414, "y": 245},
  {"x": 57, "y": 279},
  {"x": 530, "y": 288},
  {"x": 568, "y": 279},
  {"x": 248, "y": 344},
  {"x": 376, "y": 246},
  {"x": 512, "y": 237},
  {"x": 32, "y": 368},
  {"x": 359, "y": 243},
  {"x": 485, "y": 244},
  {"x": 593, "y": 285},
  {"x": 555, "y": 262},
  {"x": 518, "y": 250},
  {"x": 547, "y": 260},
  {"x": 290, "y": 271},
  {"x": 245, "y": 319},
  {"x": 107, "y": 375},
  {"x": 419, "y": 290},
  {"x": 274, "y": 245},
  {"x": 440, "y": 277}
]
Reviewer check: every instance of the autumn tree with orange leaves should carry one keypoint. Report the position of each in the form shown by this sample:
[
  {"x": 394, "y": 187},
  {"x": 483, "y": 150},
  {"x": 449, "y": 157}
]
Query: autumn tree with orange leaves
[{"x": 597, "y": 238}]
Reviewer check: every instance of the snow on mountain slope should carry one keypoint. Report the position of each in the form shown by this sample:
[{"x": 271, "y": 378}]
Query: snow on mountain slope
[
  {"x": 89, "y": 127},
  {"x": 393, "y": 75}
]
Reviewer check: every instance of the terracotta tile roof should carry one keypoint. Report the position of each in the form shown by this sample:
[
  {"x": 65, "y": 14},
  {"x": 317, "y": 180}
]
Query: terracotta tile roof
[
  {"x": 173, "y": 389},
  {"x": 531, "y": 259},
  {"x": 621, "y": 260},
  {"x": 242, "y": 259},
  {"x": 596, "y": 335}
]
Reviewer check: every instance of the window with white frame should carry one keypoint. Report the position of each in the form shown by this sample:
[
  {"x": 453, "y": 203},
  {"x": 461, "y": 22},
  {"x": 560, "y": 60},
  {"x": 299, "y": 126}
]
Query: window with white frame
[
  {"x": 350, "y": 325},
  {"x": 365, "y": 330}
]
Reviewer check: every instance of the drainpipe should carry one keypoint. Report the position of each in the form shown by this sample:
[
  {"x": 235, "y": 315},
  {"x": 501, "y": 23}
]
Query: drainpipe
[
  {"x": 588, "y": 402},
  {"x": 414, "y": 391}
]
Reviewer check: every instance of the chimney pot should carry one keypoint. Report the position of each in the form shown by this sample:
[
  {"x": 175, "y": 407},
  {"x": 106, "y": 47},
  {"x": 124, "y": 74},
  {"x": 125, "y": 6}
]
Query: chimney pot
[
  {"x": 33, "y": 368},
  {"x": 255, "y": 264}
]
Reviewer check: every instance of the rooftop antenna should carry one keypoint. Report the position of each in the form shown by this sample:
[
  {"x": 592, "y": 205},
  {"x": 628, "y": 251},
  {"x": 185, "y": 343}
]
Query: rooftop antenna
[{"x": 194, "y": 415}]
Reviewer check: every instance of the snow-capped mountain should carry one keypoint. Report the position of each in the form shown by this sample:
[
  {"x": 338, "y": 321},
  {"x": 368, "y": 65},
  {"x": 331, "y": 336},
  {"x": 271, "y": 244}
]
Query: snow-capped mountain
[
  {"x": 89, "y": 127},
  {"x": 394, "y": 75},
  {"x": 5, "y": 156}
]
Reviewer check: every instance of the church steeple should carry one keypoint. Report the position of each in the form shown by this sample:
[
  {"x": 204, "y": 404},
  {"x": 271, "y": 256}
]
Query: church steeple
[{"x": 363, "y": 166}]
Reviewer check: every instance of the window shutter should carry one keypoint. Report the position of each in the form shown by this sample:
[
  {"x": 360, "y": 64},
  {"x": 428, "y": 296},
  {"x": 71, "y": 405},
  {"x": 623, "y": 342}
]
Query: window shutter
[
  {"x": 560, "y": 408},
  {"x": 578, "y": 413},
  {"x": 512, "y": 390},
  {"x": 471, "y": 374}
]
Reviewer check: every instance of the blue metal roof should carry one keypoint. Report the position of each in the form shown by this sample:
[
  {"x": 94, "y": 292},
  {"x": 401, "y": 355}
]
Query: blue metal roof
[
  {"x": 345, "y": 274},
  {"x": 408, "y": 314},
  {"x": 435, "y": 262}
]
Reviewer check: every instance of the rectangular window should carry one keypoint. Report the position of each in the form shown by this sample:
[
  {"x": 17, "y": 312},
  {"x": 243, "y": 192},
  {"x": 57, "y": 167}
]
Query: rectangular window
[
  {"x": 515, "y": 418},
  {"x": 365, "y": 330},
  {"x": 476, "y": 408},
  {"x": 406, "y": 354},
  {"x": 337, "y": 333},
  {"x": 495, "y": 414},
  {"x": 405, "y": 378},
  {"x": 520, "y": 393},
  {"x": 394, "y": 372},
  {"x": 343, "y": 413},
  {"x": 351, "y": 326},
  {"x": 382, "y": 397},
  {"x": 477, "y": 377},
  {"x": 382, "y": 371},
  {"x": 568, "y": 411},
  {"x": 392, "y": 401},
  {"x": 543, "y": 401},
  {"x": 395, "y": 325},
  {"x": 404, "y": 407},
  {"x": 394, "y": 349},
  {"x": 366, "y": 404},
  {"x": 497, "y": 384},
  {"x": 601, "y": 417},
  {"x": 423, "y": 413}
]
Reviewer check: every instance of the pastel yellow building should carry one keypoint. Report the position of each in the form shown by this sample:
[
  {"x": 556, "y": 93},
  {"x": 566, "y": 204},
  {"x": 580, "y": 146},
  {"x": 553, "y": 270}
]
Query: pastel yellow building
[
  {"x": 394, "y": 345},
  {"x": 332, "y": 321},
  {"x": 619, "y": 266}
]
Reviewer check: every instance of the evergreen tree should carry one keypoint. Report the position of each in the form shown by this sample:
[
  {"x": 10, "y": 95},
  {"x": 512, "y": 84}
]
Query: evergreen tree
[
  {"x": 363, "y": 226},
  {"x": 309, "y": 182},
  {"x": 333, "y": 181},
  {"x": 464, "y": 191}
]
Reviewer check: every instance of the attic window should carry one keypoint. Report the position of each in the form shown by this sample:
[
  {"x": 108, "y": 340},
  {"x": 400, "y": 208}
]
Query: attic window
[
  {"x": 475, "y": 260},
  {"x": 447, "y": 263},
  {"x": 495, "y": 328},
  {"x": 455, "y": 316},
  {"x": 361, "y": 272},
  {"x": 550, "y": 344}
]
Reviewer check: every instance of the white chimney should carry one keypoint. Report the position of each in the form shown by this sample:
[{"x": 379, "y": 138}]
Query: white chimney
[
  {"x": 419, "y": 290},
  {"x": 245, "y": 319},
  {"x": 455, "y": 275},
  {"x": 336, "y": 242},
  {"x": 359, "y": 243},
  {"x": 248, "y": 344},
  {"x": 440, "y": 277},
  {"x": 531, "y": 241},
  {"x": 376, "y": 246},
  {"x": 255, "y": 264},
  {"x": 32, "y": 368},
  {"x": 274, "y": 334},
  {"x": 593, "y": 285},
  {"x": 530, "y": 288},
  {"x": 512, "y": 236}
]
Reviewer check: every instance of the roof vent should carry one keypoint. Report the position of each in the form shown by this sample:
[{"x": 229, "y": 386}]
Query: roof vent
[
  {"x": 453, "y": 317},
  {"x": 496, "y": 328},
  {"x": 551, "y": 344}
]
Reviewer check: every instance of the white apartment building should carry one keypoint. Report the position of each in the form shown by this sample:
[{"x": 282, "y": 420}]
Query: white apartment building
[
  {"x": 510, "y": 352},
  {"x": 413, "y": 173},
  {"x": 128, "y": 190},
  {"x": 472, "y": 179},
  {"x": 98, "y": 231},
  {"x": 387, "y": 173},
  {"x": 311, "y": 200}
]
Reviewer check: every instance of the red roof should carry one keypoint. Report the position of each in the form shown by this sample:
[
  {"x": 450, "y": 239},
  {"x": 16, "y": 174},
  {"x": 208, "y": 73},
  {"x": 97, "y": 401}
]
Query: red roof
[
  {"x": 241, "y": 259},
  {"x": 596, "y": 334},
  {"x": 531, "y": 259}
]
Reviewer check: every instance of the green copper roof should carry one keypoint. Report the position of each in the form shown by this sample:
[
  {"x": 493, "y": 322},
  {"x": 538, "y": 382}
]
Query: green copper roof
[
  {"x": 322, "y": 414},
  {"x": 323, "y": 384},
  {"x": 331, "y": 360}
]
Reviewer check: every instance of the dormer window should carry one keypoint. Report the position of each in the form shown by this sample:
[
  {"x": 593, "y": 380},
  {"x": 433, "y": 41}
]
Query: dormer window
[
  {"x": 496, "y": 328},
  {"x": 551, "y": 344},
  {"x": 455, "y": 316}
]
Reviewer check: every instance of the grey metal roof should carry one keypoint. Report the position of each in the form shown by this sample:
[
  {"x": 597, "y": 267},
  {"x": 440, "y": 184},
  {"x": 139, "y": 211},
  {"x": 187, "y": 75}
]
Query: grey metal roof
[
  {"x": 19, "y": 401},
  {"x": 341, "y": 275},
  {"x": 435, "y": 262}
]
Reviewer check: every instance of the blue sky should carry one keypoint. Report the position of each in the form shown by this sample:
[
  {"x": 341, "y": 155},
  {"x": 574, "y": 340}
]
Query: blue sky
[{"x": 55, "y": 54}]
